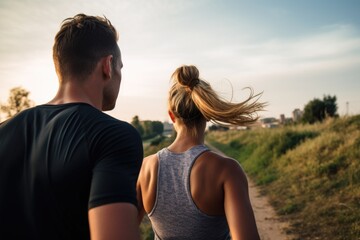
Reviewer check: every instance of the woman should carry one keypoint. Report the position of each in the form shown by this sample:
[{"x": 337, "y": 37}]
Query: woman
[{"x": 188, "y": 191}]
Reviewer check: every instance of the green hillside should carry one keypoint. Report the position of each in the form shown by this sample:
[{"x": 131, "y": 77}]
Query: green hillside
[{"x": 311, "y": 173}]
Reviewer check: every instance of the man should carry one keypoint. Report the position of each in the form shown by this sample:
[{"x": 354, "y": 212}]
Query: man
[{"x": 68, "y": 170}]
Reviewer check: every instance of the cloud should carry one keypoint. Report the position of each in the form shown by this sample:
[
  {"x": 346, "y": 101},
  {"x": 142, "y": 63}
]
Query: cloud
[{"x": 335, "y": 46}]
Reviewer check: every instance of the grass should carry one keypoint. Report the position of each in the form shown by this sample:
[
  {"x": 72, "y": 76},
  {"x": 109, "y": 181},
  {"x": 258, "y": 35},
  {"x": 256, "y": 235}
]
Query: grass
[{"x": 311, "y": 173}]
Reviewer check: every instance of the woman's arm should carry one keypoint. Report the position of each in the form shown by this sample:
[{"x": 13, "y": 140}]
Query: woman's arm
[
  {"x": 146, "y": 185},
  {"x": 238, "y": 209}
]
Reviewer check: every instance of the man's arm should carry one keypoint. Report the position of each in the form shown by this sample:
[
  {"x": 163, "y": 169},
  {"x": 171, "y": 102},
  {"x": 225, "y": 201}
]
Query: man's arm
[{"x": 114, "y": 221}]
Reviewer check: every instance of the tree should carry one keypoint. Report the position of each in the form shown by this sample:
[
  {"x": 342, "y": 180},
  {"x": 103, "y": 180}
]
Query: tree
[
  {"x": 330, "y": 106},
  {"x": 152, "y": 128},
  {"x": 317, "y": 110},
  {"x": 148, "y": 132},
  {"x": 18, "y": 100},
  {"x": 158, "y": 127},
  {"x": 148, "y": 129},
  {"x": 137, "y": 125}
]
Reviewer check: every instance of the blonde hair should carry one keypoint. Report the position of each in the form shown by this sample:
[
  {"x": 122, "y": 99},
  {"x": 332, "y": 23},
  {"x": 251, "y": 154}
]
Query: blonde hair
[{"x": 192, "y": 99}]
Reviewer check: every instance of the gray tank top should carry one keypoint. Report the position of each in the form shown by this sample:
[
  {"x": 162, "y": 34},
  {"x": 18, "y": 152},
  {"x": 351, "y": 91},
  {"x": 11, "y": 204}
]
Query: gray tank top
[{"x": 175, "y": 215}]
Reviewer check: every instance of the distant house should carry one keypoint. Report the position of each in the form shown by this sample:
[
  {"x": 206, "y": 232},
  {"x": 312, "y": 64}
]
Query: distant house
[
  {"x": 282, "y": 119},
  {"x": 269, "y": 122},
  {"x": 239, "y": 127},
  {"x": 297, "y": 115}
]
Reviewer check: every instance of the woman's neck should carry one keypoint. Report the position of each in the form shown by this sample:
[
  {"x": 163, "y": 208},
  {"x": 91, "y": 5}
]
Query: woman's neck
[{"x": 185, "y": 140}]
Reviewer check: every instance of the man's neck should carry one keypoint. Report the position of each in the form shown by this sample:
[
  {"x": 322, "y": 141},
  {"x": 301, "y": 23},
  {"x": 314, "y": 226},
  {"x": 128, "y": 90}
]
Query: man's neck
[{"x": 72, "y": 91}]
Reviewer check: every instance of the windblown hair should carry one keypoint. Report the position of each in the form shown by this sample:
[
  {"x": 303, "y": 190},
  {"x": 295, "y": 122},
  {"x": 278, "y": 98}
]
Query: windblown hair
[
  {"x": 81, "y": 42},
  {"x": 192, "y": 99}
]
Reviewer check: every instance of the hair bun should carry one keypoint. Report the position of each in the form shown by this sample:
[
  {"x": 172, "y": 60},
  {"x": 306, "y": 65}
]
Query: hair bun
[{"x": 187, "y": 76}]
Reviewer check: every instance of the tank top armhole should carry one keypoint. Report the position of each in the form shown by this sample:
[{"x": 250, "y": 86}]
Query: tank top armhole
[{"x": 157, "y": 185}]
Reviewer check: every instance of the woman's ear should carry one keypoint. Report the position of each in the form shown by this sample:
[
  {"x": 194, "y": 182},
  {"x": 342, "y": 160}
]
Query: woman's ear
[
  {"x": 107, "y": 66},
  {"x": 172, "y": 116}
]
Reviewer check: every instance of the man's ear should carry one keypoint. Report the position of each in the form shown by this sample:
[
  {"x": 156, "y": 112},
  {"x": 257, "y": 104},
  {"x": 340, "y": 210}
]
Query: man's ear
[
  {"x": 172, "y": 116},
  {"x": 107, "y": 66}
]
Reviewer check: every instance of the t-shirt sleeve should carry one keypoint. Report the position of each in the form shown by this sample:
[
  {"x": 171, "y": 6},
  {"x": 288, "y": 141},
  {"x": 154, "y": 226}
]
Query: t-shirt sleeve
[{"x": 118, "y": 155}]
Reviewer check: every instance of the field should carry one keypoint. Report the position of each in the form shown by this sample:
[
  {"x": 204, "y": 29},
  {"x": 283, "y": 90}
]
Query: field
[{"x": 311, "y": 173}]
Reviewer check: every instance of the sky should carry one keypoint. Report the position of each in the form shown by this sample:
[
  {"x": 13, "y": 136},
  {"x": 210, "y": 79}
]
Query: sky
[{"x": 291, "y": 51}]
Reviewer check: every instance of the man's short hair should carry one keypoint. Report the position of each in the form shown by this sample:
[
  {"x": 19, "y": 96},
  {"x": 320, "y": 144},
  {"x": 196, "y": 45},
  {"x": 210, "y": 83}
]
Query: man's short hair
[{"x": 81, "y": 42}]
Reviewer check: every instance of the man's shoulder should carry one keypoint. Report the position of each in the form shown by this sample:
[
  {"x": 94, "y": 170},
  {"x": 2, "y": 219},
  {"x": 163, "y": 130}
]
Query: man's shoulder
[
  {"x": 18, "y": 118},
  {"x": 96, "y": 119}
]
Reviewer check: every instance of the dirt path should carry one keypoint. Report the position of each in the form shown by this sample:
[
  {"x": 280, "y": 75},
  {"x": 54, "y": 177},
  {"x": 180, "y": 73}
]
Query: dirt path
[{"x": 268, "y": 223}]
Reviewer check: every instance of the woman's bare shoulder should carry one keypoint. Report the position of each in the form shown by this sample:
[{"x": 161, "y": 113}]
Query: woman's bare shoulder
[
  {"x": 223, "y": 165},
  {"x": 149, "y": 167},
  {"x": 150, "y": 160},
  {"x": 220, "y": 160}
]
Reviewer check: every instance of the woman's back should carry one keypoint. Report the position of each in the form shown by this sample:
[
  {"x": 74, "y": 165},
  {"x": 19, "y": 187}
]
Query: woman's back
[{"x": 175, "y": 213}]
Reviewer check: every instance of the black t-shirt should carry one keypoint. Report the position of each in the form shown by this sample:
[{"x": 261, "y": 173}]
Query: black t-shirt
[{"x": 58, "y": 161}]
